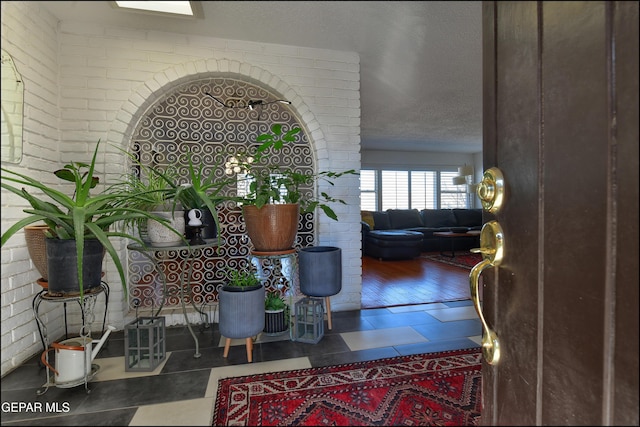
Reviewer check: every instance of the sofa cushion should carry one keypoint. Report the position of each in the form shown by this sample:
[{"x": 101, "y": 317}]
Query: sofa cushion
[
  {"x": 468, "y": 217},
  {"x": 367, "y": 216},
  {"x": 437, "y": 218},
  {"x": 404, "y": 218},
  {"x": 381, "y": 220},
  {"x": 395, "y": 237}
]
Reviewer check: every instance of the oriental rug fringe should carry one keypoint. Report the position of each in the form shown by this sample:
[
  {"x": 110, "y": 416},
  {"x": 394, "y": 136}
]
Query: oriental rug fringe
[{"x": 435, "y": 389}]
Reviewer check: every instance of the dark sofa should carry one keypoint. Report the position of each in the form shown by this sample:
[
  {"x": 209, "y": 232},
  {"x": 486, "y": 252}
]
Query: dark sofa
[{"x": 393, "y": 234}]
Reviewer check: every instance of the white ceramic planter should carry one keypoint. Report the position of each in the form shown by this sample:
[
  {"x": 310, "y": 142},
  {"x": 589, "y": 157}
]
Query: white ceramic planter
[{"x": 160, "y": 235}]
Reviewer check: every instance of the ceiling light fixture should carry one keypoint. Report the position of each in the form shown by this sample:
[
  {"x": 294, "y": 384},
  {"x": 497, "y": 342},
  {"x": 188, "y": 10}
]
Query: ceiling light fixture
[
  {"x": 249, "y": 105},
  {"x": 184, "y": 8}
]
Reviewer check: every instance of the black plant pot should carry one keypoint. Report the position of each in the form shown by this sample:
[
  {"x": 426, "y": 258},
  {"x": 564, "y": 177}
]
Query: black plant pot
[
  {"x": 62, "y": 266},
  {"x": 275, "y": 322}
]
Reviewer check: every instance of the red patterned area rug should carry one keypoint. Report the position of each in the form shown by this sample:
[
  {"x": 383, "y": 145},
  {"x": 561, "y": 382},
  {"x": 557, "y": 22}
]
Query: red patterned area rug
[
  {"x": 436, "y": 389},
  {"x": 464, "y": 260}
]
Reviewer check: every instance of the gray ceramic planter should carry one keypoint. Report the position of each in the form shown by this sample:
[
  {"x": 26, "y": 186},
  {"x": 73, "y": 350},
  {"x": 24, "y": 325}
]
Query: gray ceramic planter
[
  {"x": 241, "y": 312},
  {"x": 320, "y": 270}
]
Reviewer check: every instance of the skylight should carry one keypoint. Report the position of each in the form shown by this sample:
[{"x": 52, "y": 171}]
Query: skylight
[{"x": 175, "y": 7}]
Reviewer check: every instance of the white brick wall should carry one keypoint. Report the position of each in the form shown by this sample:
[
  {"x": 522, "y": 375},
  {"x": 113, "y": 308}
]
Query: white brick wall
[
  {"x": 98, "y": 81},
  {"x": 29, "y": 36}
]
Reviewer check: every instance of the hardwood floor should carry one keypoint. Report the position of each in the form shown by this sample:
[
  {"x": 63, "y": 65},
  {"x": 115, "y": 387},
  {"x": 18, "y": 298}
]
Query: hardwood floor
[{"x": 414, "y": 281}]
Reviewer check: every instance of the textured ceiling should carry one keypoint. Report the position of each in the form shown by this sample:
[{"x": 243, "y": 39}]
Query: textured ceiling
[{"x": 421, "y": 62}]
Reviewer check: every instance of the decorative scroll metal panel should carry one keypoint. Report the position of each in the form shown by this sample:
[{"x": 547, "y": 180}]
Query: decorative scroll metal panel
[{"x": 187, "y": 122}]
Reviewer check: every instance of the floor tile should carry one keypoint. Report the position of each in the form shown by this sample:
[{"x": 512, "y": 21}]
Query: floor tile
[
  {"x": 450, "y": 330},
  {"x": 345, "y": 357},
  {"x": 476, "y": 339},
  {"x": 113, "y": 368},
  {"x": 114, "y": 417},
  {"x": 253, "y": 369},
  {"x": 382, "y": 338},
  {"x": 456, "y": 313},
  {"x": 195, "y": 412},
  {"x": 416, "y": 307},
  {"x": 260, "y": 338},
  {"x": 461, "y": 303},
  {"x": 401, "y": 319}
]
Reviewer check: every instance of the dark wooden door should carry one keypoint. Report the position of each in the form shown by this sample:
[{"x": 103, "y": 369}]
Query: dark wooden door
[{"x": 561, "y": 123}]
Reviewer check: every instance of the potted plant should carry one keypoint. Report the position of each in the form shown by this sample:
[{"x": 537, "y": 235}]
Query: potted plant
[
  {"x": 79, "y": 225},
  {"x": 275, "y": 198},
  {"x": 154, "y": 190},
  {"x": 275, "y": 314},
  {"x": 203, "y": 192},
  {"x": 241, "y": 308}
]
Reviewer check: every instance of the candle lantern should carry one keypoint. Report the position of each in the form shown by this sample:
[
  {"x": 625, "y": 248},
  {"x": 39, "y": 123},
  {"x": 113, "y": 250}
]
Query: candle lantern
[
  {"x": 309, "y": 320},
  {"x": 144, "y": 344}
]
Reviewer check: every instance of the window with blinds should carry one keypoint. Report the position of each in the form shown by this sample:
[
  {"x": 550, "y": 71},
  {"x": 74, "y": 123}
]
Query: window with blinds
[
  {"x": 399, "y": 189},
  {"x": 368, "y": 199}
]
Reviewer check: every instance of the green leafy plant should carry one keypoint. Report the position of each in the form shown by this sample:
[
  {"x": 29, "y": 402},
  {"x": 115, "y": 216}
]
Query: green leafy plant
[
  {"x": 270, "y": 183},
  {"x": 203, "y": 190},
  {"x": 80, "y": 216},
  {"x": 242, "y": 278},
  {"x": 273, "y": 301},
  {"x": 152, "y": 188},
  {"x": 149, "y": 189}
]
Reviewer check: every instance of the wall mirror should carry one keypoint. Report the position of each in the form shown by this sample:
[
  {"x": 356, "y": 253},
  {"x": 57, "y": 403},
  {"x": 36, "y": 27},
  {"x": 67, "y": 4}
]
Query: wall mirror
[{"x": 12, "y": 110}]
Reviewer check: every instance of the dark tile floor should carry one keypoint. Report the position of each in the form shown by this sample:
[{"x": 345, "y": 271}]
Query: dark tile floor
[{"x": 182, "y": 390}]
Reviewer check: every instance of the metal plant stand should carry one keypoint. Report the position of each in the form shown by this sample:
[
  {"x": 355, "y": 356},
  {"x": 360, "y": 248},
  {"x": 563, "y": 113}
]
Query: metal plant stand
[
  {"x": 283, "y": 266},
  {"x": 87, "y": 305},
  {"x": 158, "y": 255},
  {"x": 43, "y": 295}
]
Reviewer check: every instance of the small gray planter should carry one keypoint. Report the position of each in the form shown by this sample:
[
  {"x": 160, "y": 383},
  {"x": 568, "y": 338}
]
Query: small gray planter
[
  {"x": 320, "y": 270},
  {"x": 241, "y": 315},
  {"x": 241, "y": 312}
]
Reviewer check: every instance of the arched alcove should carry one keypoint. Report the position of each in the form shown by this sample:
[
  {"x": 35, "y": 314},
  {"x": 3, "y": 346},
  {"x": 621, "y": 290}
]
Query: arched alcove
[{"x": 184, "y": 121}]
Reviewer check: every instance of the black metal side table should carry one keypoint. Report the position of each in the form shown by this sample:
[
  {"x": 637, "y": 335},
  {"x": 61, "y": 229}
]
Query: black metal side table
[{"x": 158, "y": 255}]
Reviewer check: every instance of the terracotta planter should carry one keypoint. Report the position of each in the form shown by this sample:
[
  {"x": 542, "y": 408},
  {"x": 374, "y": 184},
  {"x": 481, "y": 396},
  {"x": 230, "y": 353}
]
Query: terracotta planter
[
  {"x": 34, "y": 235},
  {"x": 272, "y": 228}
]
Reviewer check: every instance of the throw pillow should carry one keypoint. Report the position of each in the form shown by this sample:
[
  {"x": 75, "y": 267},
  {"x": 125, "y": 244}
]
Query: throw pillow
[
  {"x": 381, "y": 220},
  {"x": 404, "y": 218},
  {"x": 436, "y": 218},
  {"x": 367, "y": 216},
  {"x": 468, "y": 217}
]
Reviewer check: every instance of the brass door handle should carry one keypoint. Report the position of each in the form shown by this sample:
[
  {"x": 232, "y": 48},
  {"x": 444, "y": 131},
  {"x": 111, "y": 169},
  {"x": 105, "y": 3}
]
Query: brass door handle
[{"x": 492, "y": 250}]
